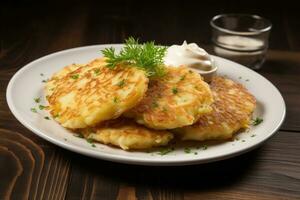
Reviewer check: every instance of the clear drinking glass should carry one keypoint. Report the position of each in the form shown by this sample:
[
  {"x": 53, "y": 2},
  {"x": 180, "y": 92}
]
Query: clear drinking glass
[{"x": 242, "y": 38}]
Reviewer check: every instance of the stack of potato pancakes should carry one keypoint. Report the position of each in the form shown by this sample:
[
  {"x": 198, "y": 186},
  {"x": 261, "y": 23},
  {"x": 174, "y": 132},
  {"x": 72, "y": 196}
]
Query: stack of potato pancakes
[{"x": 125, "y": 108}]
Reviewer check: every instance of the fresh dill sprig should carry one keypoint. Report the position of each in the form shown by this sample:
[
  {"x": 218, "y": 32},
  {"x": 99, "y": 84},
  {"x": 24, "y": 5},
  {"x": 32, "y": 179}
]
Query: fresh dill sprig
[{"x": 146, "y": 56}]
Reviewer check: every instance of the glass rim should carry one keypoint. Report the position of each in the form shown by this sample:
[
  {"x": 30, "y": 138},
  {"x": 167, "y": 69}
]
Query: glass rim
[{"x": 257, "y": 31}]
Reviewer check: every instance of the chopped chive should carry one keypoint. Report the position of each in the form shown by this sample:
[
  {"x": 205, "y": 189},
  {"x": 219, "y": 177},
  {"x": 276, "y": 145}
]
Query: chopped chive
[
  {"x": 165, "y": 151},
  {"x": 90, "y": 140},
  {"x": 37, "y": 100},
  {"x": 154, "y": 104},
  {"x": 65, "y": 139},
  {"x": 247, "y": 80},
  {"x": 205, "y": 147},
  {"x": 182, "y": 77},
  {"x": 253, "y": 135},
  {"x": 257, "y": 121},
  {"x": 240, "y": 77},
  {"x": 45, "y": 80},
  {"x": 115, "y": 100},
  {"x": 78, "y": 135},
  {"x": 164, "y": 109},
  {"x": 121, "y": 83},
  {"x": 41, "y": 74},
  {"x": 33, "y": 110},
  {"x": 195, "y": 153},
  {"x": 97, "y": 71},
  {"x": 93, "y": 145},
  {"x": 47, "y": 118},
  {"x": 187, "y": 150},
  {"x": 174, "y": 90},
  {"x": 41, "y": 107},
  {"x": 75, "y": 76},
  {"x": 243, "y": 140}
]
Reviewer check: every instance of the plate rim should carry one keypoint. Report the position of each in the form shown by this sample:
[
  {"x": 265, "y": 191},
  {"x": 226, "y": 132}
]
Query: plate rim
[{"x": 122, "y": 158}]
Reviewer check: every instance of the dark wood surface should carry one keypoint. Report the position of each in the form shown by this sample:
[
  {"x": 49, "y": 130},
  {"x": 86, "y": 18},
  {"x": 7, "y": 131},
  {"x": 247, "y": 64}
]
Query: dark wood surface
[{"x": 34, "y": 168}]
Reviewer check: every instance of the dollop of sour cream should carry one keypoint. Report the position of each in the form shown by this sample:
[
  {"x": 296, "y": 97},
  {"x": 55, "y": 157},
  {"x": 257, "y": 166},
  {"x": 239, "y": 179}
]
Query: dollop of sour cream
[{"x": 192, "y": 56}]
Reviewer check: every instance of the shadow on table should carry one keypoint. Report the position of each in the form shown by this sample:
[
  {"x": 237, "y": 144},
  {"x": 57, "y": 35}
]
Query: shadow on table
[{"x": 212, "y": 175}]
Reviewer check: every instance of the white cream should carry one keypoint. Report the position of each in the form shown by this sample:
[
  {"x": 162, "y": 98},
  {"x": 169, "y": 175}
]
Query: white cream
[{"x": 190, "y": 55}]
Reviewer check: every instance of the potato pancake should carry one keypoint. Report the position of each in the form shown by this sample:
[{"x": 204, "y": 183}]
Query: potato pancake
[
  {"x": 84, "y": 95},
  {"x": 127, "y": 134},
  {"x": 232, "y": 110},
  {"x": 177, "y": 99}
]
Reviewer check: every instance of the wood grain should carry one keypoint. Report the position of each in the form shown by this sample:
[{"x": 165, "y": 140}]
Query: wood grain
[
  {"x": 32, "y": 168},
  {"x": 9, "y": 175}
]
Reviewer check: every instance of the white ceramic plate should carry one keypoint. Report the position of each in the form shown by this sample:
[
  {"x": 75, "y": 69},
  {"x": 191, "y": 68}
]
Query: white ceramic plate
[{"x": 27, "y": 84}]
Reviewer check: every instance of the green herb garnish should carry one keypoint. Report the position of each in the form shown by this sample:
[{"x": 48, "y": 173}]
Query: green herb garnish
[
  {"x": 182, "y": 77},
  {"x": 253, "y": 135},
  {"x": 121, "y": 83},
  {"x": 41, "y": 107},
  {"x": 165, "y": 151},
  {"x": 56, "y": 116},
  {"x": 187, "y": 150},
  {"x": 204, "y": 147},
  {"x": 93, "y": 145},
  {"x": 33, "y": 110},
  {"x": 78, "y": 135},
  {"x": 154, "y": 104},
  {"x": 97, "y": 71},
  {"x": 37, "y": 100},
  {"x": 257, "y": 121},
  {"x": 75, "y": 76},
  {"x": 195, "y": 153},
  {"x": 174, "y": 90},
  {"x": 115, "y": 100},
  {"x": 47, "y": 118},
  {"x": 146, "y": 56},
  {"x": 243, "y": 140},
  {"x": 90, "y": 140},
  {"x": 41, "y": 74}
]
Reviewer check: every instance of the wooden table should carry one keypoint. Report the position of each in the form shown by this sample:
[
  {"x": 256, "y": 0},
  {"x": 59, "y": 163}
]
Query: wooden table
[{"x": 31, "y": 167}]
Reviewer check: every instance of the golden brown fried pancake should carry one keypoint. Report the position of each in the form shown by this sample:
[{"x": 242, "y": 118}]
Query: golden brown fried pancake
[
  {"x": 177, "y": 99},
  {"x": 84, "y": 95},
  {"x": 126, "y": 134},
  {"x": 232, "y": 111}
]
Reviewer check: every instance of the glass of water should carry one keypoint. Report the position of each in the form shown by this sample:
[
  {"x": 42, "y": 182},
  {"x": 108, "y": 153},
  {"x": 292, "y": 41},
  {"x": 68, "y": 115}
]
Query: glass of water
[{"x": 242, "y": 38}]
